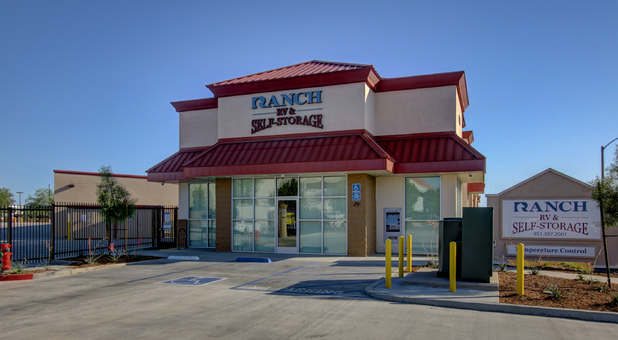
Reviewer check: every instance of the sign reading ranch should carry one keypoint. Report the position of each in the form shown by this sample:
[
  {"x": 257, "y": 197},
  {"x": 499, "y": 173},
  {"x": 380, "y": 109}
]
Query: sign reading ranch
[
  {"x": 287, "y": 115},
  {"x": 551, "y": 219}
]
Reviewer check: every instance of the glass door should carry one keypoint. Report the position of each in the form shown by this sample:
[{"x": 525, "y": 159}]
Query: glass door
[{"x": 287, "y": 226}]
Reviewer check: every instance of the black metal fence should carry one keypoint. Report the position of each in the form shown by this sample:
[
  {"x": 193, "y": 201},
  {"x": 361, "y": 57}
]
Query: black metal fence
[{"x": 71, "y": 229}]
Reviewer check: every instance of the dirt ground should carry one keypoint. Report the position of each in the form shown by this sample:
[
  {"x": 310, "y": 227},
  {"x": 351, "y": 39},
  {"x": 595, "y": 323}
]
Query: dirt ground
[{"x": 568, "y": 293}]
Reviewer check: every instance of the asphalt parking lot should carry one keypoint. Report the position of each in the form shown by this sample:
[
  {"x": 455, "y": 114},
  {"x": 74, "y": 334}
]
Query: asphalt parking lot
[{"x": 293, "y": 297}]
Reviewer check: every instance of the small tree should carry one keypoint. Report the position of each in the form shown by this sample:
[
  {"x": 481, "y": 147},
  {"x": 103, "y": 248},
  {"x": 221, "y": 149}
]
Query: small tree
[
  {"x": 6, "y": 197},
  {"x": 605, "y": 192},
  {"x": 42, "y": 196},
  {"x": 116, "y": 201}
]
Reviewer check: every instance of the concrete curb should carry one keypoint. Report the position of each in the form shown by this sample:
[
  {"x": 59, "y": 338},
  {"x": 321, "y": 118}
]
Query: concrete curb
[
  {"x": 584, "y": 315},
  {"x": 74, "y": 271}
]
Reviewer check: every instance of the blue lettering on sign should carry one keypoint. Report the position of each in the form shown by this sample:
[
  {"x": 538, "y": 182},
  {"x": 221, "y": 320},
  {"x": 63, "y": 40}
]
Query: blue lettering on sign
[
  {"x": 300, "y": 98},
  {"x": 564, "y": 206}
]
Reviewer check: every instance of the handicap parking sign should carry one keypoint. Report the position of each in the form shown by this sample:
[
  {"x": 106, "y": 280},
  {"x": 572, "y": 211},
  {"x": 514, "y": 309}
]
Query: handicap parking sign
[{"x": 356, "y": 192}]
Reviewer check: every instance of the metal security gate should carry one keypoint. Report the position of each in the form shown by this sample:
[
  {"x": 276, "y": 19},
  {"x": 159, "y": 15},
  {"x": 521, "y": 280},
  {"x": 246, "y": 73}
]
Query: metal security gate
[
  {"x": 167, "y": 227},
  {"x": 71, "y": 229}
]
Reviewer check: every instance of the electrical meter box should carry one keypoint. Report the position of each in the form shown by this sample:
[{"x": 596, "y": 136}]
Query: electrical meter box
[{"x": 392, "y": 224}]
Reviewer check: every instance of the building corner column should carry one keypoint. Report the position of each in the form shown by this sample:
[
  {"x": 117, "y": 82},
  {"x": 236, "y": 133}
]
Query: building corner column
[
  {"x": 224, "y": 215},
  {"x": 362, "y": 216}
]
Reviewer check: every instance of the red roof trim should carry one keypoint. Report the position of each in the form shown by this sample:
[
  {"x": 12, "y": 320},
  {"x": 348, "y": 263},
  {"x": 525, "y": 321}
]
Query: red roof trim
[
  {"x": 295, "y": 136},
  {"x": 288, "y": 168},
  {"x": 457, "y": 78},
  {"x": 67, "y": 172},
  {"x": 297, "y": 82},
  {"x": 195, "y": 104},
  {"x": 477, "y": 188}
]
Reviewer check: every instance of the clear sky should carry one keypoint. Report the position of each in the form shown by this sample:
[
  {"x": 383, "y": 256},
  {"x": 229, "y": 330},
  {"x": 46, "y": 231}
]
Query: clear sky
[{"x": 88, "y": 83}]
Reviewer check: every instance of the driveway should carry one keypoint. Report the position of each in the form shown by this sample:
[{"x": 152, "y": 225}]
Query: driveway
[{"x": 293, "y": 297}]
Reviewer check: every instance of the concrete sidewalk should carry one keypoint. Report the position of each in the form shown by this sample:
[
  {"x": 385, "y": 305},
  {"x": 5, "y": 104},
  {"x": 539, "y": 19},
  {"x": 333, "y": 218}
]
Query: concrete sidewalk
[{"x": 424, "y": 288}]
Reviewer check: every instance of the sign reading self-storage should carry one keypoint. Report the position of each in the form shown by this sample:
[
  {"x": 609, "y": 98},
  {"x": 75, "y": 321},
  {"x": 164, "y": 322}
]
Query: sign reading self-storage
[
  {"x": 290, "y": 109},
  {"x": 551, "y": 219}
]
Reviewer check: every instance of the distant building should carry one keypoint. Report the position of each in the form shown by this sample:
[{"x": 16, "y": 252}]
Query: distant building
[
  {"x": 81, "y": 187},
  {"x": 553, "y": 215}
]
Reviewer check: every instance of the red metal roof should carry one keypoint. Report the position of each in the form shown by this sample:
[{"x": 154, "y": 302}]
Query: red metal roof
[
  {"x": 317, "y": 73},
  {"x": 432, "y": 152},
  {"x": 344, "y": 151},
  {"x": 170, "y": 169},
  {"x": 302, "y": 69}
]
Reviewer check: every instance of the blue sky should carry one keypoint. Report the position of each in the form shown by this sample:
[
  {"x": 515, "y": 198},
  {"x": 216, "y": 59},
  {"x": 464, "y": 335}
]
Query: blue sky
[{"x": 88, "y": 83}]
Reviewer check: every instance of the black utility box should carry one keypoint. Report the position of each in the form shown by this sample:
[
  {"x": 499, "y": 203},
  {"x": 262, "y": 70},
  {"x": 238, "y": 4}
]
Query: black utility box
[
  {"x": 450, "y": 230},
  {"x": 477, "y": 244}
]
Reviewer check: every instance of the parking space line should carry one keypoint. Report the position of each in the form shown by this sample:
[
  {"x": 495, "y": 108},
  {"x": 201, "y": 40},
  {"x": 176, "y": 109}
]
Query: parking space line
[
  {"x": 275, "y": 275},
  {"x": 180, "y": 271}
]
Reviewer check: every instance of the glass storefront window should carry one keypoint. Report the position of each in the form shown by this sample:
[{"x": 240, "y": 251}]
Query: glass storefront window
[
  {"x": 423, "y": 198},
  {"x": 287, "y": 187},
  {"x": 265, "y": 236},
  {"x": 255, "y": 211},
  {"x": 334, "y": 208},
  {"x": 264, "y": 187},
  {"x": 335, "y": 186},
  {"x": 422, "y": 213},
  {"x": 243, "y": 209},
  {"x": 243, "y": 187},
  {"x": 311, "y": 208},
  {"x": 202, "y": 215},
  {"x": 334, "y": 237},
  {"x": 265, "y": 209},
  {"x": 310, "y": 237},
  {"x": 311, "y": 187}
]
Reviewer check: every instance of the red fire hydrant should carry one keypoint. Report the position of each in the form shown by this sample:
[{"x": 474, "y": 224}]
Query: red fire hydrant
[{"x": 6, "y": 256}]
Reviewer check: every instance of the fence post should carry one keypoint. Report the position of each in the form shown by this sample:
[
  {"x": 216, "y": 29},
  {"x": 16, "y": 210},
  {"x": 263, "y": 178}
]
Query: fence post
[
  {"x": 9, "y": 230},
  {"x": 52, "y": 231}
]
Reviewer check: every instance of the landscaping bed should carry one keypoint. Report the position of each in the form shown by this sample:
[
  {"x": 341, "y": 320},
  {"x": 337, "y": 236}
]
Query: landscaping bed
[
  {"x": 546, "y": 291},
  {"x": 83, "y": 261}
]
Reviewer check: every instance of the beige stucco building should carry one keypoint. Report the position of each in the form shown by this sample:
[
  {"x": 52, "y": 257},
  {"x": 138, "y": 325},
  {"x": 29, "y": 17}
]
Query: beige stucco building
[
  {"x": 80, "y": 187},
  {"x": 323, "y": 158},
  {"x": 553, "y": 216}
]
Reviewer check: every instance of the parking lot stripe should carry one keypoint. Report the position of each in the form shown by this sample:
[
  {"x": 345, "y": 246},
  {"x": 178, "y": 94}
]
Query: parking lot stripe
[{"x": 180, "y": 271}]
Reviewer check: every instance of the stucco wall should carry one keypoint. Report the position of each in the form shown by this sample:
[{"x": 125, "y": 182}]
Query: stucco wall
[
  {"x": 361, "y": 217},
  {"x": 342, "y": 108},
  {"x": 85, "y": 186},
  {"x": 390, "y": 193},
  {"x": 416, "y": 111},
  {"x": 198, "y": 128}
]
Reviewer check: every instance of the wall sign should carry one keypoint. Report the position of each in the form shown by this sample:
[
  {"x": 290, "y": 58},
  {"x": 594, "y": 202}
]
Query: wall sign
[
  {"x": 285, "y": 113},
  {"x": 553, "y": 251},
  {"x": 356, "y": 192},
  {"x": 551, "y": 219}
]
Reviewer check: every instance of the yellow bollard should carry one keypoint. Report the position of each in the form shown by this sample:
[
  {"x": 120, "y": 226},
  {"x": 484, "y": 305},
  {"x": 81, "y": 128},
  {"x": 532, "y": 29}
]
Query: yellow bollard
[
  {"x": 388, "y": 263},
  {"x": 452, "y": 275},
  {"x": 409, "y": 253},
  {"x": 520, "y": 269},
  {"x": 400, "y": 256},
  {"x": 69, "y": 231}
]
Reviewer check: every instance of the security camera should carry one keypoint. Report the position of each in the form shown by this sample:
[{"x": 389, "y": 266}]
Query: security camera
[{"x": 469, "y": 174}]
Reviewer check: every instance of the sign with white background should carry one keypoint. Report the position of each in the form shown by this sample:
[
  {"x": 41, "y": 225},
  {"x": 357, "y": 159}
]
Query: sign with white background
[{"x": 552, "y": 219}]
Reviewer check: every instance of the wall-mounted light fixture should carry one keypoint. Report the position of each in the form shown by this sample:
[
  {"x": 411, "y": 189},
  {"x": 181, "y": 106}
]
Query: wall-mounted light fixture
[{"x": 71, "y": 185}]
